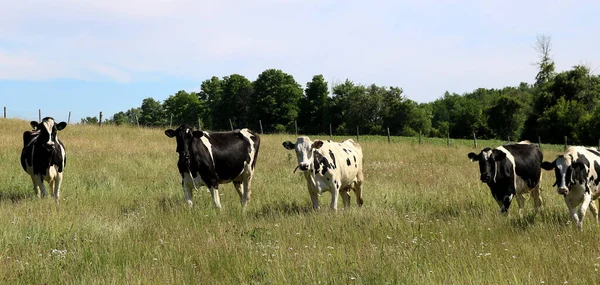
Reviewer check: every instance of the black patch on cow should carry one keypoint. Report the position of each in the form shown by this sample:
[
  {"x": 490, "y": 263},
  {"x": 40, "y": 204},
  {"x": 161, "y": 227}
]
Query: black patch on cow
[
  {"x": 528, "y": 159},
  {"x": 593, "y": 151},
  {"x": 597, "y": 168},
  {"x": 354, "y": 158},
  {"x": 230, "y": 150},
  {"x": 348, "y": 161},
  {"x": 332, "y": 159},
  {"x": 337, "y": 184},
  {"x": 345, "y": 150}
]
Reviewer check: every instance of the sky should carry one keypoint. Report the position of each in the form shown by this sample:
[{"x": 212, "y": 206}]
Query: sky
[{"x": 85, "y": 56}]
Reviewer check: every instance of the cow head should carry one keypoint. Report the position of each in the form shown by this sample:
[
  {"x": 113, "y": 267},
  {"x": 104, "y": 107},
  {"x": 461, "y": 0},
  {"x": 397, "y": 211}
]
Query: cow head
[
  {"x": 184, "y": 135},
  {"x": 487, "y": 163},
  {"x": 305, "y": 151},
  {"x": 567, "y": 172},
  {"x": 48, "y": 130}
]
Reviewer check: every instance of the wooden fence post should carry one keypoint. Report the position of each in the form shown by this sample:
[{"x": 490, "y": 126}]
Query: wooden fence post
[
  {"x": 388, "y": 132},
  {"x": 5, "y": 112},
  {"x": 357, "y": 133},
  {"x": 565, "y": 142},
  {"x": 137, "y": 121},
  {"x": 540, "y": 142},
  {"x": 448, "y": 140},
  {"x": 199, "y": 124},
  {"x": 420, "y": 138},
  {"x": 69, "y": 119},
  {"x": 296, "y": 126},
  {"x": 508, "y": 139},
  {"x": 100, "y": 121},
  {"x": 474, "y": 140},
  {"x": 260, "y": 123},
  {"x": 171, "y": 122},
  {"x": 230, "y": 124},
  {"x": 39, "y": 115},
  {"x": 330, "y": 132}
]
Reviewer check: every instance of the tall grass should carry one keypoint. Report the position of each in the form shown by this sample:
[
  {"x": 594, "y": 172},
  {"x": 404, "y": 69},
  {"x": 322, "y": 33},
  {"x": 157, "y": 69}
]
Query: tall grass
[{"x": 426, "y": 219}]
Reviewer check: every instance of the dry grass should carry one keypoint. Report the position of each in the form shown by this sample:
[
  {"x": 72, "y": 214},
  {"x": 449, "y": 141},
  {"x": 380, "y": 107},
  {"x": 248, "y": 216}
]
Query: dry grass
[{"x": 426, "y": 220}]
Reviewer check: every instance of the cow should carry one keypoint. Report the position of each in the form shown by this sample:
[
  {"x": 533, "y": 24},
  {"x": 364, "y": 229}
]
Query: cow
[
  {"x": 577, "y": 174},
  {"x": 44, "y": 157},
  {"x": 213, "y": 158},
  {"x": 511, "y": 170},
  {"x": 330, "y": 166}
]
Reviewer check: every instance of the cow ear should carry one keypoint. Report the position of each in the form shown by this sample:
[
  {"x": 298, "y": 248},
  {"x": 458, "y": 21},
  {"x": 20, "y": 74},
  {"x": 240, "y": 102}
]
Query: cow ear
[
  {"x": 317, "y": 144},
  {"x": 288, "y": 145},
  {"x": 473, "y": 157},
  {"x": 499, "y": 156},
  {"x": 170, "y": 133},
  {"x": 548, "y": 165},
  {"x": 33, "y": 124},
  {"x": 60, "y": 126},
  {"x": 197, "y": 134}
]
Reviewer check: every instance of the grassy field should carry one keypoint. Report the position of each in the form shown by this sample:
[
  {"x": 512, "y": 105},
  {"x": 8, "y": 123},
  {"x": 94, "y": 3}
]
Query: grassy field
[{"x": 427, "y": 220}]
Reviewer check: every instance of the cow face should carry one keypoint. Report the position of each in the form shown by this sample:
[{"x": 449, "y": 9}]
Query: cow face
[
  {"x": 567, "y": 173},
  {"x": 487, "y": 163},
  {"x": 305, "y": 150},
  {"x": 48, "y": 130},
  {"x": 184, "y": 135}
]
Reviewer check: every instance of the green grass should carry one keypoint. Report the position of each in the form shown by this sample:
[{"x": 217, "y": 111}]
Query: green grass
[{"x": 426, "y": 220}]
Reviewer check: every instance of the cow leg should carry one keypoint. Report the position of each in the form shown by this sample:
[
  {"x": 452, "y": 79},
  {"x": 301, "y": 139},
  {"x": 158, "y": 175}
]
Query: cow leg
[
  {"x": 36, "y": 188},
  {"x": 247, "y": 191},
  {"x": 314, "y": 196},
  {"x": 587, "y": 197},
  {"x": 40, "y": 182},
  {"x": 335, "y": 190},
  {"x": 594, "y": 210},
  {"x": 572, "y": 210},
  {"x": 187, "y": 189},
  {"x": 345, "y": 193},
  {"x": 537, "y": 198},
  {"x": 214, "y": 192},
  {"x": 358, "y": 191},
  {"x": 238, "y": 189},
  {"x": 57, "y": 183},
  {"x": 521, "y": 203}
]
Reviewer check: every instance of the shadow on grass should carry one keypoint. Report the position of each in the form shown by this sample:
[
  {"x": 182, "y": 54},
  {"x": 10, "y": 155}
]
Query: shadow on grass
[
  {"x": 282, "y": 208},
  {"x": 14, "y": 197},
  {"x": 544, "y": 217}
]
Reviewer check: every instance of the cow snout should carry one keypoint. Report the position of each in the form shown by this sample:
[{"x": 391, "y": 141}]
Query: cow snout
[
  {"x": 303, "y": 167},
  {"x": 563, "y": 190},
  {"x": 50, "y": 145}
]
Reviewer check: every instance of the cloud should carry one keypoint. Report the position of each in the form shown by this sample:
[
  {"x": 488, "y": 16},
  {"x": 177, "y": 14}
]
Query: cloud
[{"x": 426, "y": 47}]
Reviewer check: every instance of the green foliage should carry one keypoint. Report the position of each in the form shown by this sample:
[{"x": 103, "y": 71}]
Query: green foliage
[
  {"x": 313, "y": 107},
  {"x": 507, "y": 117},
  {"x": 89, "y": 120},
  {"x": 152, "y": 113},
  {"x": 276, "y": 99},
  {"x": 185, "y": 108}
]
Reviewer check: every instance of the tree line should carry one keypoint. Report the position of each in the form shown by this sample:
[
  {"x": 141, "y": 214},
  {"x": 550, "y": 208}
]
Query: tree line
[{"x": 554, "y": 106}]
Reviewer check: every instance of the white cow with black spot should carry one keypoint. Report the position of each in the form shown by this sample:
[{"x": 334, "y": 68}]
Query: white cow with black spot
[{"x": 330, "y": 166}]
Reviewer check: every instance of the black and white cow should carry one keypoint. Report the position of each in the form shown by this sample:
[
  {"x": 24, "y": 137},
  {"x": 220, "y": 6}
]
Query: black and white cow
[
  {"x": 213, "y": 158},
  {"x": 44, "y": 157},
  {"x": 511, "y": 170},
  {"x": 577, "y": 175},
  {"x": 330, "y": 166}
]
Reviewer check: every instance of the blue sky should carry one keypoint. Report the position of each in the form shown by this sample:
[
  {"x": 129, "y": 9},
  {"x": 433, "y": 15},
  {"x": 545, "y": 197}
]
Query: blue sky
[{"x": 92, "y": 56}]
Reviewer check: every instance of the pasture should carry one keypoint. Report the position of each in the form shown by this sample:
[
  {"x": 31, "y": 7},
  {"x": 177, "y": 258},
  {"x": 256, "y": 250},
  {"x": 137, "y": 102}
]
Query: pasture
[{"x": 427, "y": 220}]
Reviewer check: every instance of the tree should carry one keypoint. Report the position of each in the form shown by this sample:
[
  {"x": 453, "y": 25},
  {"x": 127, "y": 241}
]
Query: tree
[
  {"x": 543, "y": 46},
  {"x": 152, "y": 113},
  {"x": 507, "y": 117},
  {"x": 89, "y": 120},
  {"x": 185, "y": 108},
  {"x": 313, "y": 106},
  {"x": 275, "y": 100},
  {"x": 235, "y": 101},
  {"x": 211, "y": 92}
]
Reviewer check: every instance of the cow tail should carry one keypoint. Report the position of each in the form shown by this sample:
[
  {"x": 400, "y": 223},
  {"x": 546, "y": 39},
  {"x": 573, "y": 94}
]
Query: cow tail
[{"x": 256, "y": 147}]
